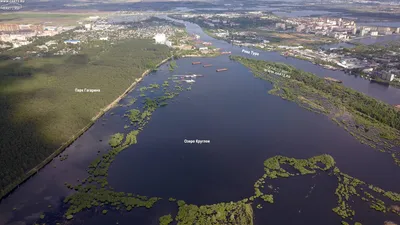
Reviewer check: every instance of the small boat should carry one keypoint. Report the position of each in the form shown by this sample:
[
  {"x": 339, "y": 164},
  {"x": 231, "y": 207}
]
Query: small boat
[
  {"x": 207, "y": 65},
  {"x": 188, "y": 76},
  {"x": 196, "y": 63},
  {"x": 221, "y": 70},
  {"x": 190, "y": 81},
  {"x": 224, "y": 53},
  {"x": 333, "y": 79}
]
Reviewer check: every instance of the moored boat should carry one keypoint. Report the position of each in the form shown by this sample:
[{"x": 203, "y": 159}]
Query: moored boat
[
  {"x": 221, "y": 70},
  {"x": 333, "y": 79}
]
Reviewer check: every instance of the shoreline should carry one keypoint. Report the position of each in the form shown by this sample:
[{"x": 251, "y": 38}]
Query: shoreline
[{"x": 15, "y": 185}]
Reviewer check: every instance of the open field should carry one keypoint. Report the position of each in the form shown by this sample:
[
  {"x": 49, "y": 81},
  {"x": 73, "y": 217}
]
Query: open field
[
  {"x": 57, "y": 18},
  {"x": 295, "y": 38}
]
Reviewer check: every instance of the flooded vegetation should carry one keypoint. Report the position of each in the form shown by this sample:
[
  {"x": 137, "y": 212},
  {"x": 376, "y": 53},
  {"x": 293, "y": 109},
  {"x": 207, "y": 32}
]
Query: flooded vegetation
[
  {"x": 116, "y": 139},
  {"x": 348, "y": 187},
  {"x": 172, "y": 65},
  {"x": 221, "y": 213},
  {"x": 94, "y": 191}
]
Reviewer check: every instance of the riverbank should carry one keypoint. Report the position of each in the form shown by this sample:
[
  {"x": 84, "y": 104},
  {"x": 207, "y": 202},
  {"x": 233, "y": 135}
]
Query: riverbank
[
  {"x": 11, "y": 187},
  {"x": 370, "y": 121},
  {"x": 385, "y": 82}
]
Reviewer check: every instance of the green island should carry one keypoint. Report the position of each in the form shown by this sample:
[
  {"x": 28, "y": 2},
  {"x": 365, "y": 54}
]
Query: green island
[
  {"x": 221, "y": 213},
  {"x": 370, "y": 121},
  {"x": 348, "y": 186},
  {"x": 165, "y": 220},
  {"x": 94, "y": 190},
  {"x": 116, "y": 139},
  {"x": 241, "y": 212},
  {"x": 172, "y": 65}
]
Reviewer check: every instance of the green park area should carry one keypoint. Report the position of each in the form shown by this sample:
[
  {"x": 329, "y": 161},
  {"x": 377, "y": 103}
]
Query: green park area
[{"x": 41, "y": 109}]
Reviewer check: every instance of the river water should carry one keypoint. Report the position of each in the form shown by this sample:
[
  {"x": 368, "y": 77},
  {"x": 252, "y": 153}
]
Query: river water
[
  {"x": 245, "y": 125},
  {"x": 385, "y": 93}
]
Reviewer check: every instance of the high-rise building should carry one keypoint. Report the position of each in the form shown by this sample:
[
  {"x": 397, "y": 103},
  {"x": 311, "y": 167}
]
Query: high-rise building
[
  {"x": 387, "y": 76},
  {"x": 300, "y": 28},
  {"x": 281, "y": 26},
  {"x": 88, "y": 26},
  {"x": 363, "y": 32}
]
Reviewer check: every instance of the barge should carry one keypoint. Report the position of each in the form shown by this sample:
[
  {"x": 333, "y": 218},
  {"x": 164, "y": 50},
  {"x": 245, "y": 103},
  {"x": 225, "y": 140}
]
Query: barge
[
  {"x": 333, "y": 80},
  {"x": 196, "y": 63},
  {"x": 221, "y": 70},
  {"x": 225, "y": 53},
  {"x": 207, "y": 65}
]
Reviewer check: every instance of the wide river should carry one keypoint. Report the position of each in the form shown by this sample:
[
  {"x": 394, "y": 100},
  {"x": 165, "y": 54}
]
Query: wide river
[{"x": 245, "y": 125}]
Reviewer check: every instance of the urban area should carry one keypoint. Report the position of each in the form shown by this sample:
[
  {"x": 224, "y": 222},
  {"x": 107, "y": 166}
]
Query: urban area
[{"x": 309, "y": 38}]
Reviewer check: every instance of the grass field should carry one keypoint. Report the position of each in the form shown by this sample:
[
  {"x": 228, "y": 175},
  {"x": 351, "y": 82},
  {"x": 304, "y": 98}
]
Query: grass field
[
  {"x": 59, "y": 18},
  {"x": 40, "y": 108},
  {"x": 294, "y": 38}
]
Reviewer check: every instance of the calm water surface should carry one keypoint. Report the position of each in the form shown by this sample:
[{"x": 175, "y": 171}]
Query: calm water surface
[{"x": 245, "y": 125}]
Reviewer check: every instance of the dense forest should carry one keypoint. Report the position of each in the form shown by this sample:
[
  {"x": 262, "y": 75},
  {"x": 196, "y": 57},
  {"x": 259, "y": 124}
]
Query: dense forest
[{"x": 40, "y": 109}]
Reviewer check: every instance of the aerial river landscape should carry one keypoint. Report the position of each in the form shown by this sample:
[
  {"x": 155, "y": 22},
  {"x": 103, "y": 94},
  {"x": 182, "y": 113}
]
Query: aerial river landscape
[{"x": 244, "y": 125}]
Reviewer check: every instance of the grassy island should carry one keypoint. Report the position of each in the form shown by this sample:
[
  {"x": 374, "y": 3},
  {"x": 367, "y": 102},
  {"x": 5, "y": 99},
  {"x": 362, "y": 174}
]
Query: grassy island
[
  {"x": 94, "y": 191},
  {"x": 237, "y": 213},
  {"x": 172, "y": 65},
  {"x": 116, "y": 139},
  {"x": 347, "y": 190},
  {"x": 371, "y": 121},
  {"x": 165, "y": 220}
]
